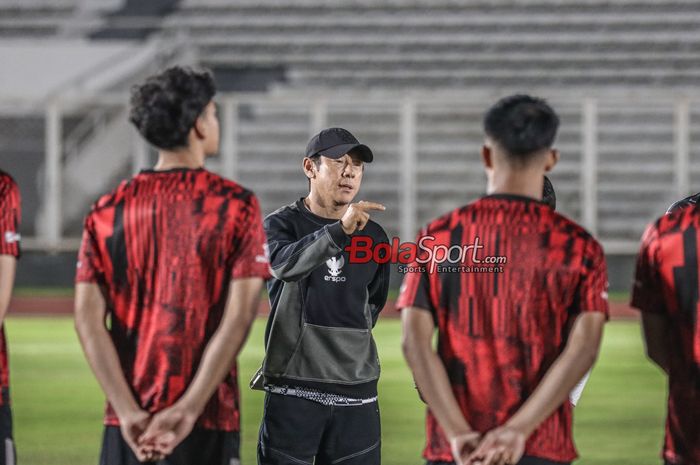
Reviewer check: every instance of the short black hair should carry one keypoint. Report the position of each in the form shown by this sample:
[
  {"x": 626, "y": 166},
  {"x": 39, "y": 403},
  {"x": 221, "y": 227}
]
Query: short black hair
[
  {"x": 166, "y": 106},
  {"x": 521, "y": 125},
  {"x": 316, "y": 158}
]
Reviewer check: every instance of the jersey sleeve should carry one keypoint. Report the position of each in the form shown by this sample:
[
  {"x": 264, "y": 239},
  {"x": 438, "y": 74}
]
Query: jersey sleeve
[
  {"x": 89, "y": 267},
  {"x": 9, "y": 219},
  {"x": 593, "y": 288},
  {"x": 416, "y": 287},
  {"x": 647, "y": 290},
  {"x": 250, "y": 257}
]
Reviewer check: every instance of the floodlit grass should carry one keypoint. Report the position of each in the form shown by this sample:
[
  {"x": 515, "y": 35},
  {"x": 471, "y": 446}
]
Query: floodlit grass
[
  {"x": 58, "y": 405},
  {"x": 60, "y": 292},
  {"x": 43, "y": 291}
]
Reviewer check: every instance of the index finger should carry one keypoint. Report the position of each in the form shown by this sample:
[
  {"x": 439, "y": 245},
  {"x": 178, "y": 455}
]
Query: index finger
[
  {"x": 364, "y": 205},
  {"x": 149, "y": 435},
  {"x": 482, "y": 449}
]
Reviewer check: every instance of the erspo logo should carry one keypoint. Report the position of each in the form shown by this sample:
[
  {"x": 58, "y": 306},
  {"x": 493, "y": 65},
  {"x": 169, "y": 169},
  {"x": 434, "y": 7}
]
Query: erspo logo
[{"x": 335, "y": 268}]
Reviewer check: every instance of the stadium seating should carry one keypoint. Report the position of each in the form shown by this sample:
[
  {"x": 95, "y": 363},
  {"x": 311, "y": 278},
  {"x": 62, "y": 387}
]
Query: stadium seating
[
  {"x": 35, "y": 18},
  {"x": 452, "y": 44},
  {"x": 551, "y": 47},
  {"x": 620, "y": 52},
  {"x": 23, "y": 155}
]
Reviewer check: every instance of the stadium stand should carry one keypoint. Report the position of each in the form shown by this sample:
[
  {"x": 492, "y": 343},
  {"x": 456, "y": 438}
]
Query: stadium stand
[
  {"x": 34, "y": 18},
  {"x": 450, "y": 43},
  {"x": 469, "y": 53},
  {"x": 551, "y": 47}
]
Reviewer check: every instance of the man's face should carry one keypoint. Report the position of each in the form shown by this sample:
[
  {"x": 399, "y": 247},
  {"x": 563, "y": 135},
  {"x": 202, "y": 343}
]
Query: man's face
[
  {"x": 337, "y": 181},
  {"x": 210, "y": 124}
]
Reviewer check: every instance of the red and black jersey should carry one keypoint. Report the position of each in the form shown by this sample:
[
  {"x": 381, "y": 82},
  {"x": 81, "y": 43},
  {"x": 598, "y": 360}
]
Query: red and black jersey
[
  {"x": 666, "y": 283},
  {"x": 10, "y": 214},
  {"x": 501, "y": 324},
  {"x": 164, "y": 247}
]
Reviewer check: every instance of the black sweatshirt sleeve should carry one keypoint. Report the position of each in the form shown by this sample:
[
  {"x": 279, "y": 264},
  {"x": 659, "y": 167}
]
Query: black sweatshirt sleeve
[
  {"x": 292, "y": 259},
  {"x": 379, "y": 287}
]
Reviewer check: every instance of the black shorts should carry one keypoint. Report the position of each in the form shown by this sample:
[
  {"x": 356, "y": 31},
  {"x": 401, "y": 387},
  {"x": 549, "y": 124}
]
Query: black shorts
[
  {"x": 524, "y": 461},
  {"x": 8, "y": 455},
  {"x": 201, "y": 447},
  {"x": 297, "y": 431}
]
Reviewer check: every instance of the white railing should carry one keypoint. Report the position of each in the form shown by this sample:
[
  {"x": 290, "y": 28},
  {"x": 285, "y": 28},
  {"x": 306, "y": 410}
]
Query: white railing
[{"x": 49, "y": 232}]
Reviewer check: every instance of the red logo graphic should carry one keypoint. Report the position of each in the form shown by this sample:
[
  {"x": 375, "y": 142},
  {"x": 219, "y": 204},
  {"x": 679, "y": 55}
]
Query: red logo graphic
[{"x": 466, "y": 258}]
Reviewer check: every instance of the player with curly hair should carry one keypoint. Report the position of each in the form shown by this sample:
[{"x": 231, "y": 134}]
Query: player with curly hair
[{"x": 174, "y": 258}]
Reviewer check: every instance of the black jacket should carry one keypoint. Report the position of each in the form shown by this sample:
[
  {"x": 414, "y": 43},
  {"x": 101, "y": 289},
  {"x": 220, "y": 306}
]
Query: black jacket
[{"x": 319, "y": 333}]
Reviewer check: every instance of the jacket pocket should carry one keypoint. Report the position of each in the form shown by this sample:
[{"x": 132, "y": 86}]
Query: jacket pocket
[{"x": 338, "y": 355}]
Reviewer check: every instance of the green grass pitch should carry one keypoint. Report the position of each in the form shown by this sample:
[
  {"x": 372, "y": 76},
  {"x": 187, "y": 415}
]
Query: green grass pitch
[{"x": 58, "y": 405}]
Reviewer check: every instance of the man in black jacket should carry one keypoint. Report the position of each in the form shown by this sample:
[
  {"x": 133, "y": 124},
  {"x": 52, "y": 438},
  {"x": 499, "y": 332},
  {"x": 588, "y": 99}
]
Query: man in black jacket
[{"x": 321, "y": 366}]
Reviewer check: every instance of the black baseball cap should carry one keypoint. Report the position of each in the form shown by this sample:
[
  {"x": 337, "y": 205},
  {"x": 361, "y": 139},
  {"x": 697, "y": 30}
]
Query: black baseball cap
[{"x": 336, "y": 142}]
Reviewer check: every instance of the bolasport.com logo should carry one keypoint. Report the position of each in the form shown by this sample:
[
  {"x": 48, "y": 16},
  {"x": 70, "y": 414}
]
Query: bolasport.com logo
[{"x": 426, "y": 255}]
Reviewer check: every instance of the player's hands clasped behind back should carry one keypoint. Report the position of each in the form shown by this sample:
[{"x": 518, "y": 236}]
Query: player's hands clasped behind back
[
  {"x": 501, "y": 446},
  {"x": 357, "y": 216},
  {"x": 132, "y": 426},
  {"x": 153, "y": 437},
  {"x": 462, "y": 446},
  {"x": 167, "y": 429}
]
